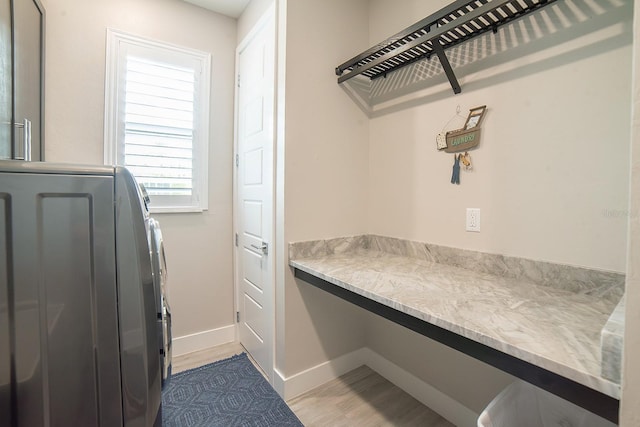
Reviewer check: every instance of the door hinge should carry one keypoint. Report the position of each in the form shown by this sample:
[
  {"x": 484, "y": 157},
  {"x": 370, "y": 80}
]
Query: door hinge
[
  {"x": 237, "y": 160},
  {"x": 237, "y": 317},
  {"x": 238, "y": 80},
  {"x": 236, "y": 239}
]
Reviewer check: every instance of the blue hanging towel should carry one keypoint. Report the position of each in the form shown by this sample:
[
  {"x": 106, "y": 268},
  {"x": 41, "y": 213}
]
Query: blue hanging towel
[{"x": 455, "y": 178}]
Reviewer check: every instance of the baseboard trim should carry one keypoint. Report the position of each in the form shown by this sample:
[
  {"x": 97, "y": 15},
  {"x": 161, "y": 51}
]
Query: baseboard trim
[
  {"x": 423, "y": 392},
  {"x": 315, "y": 376},
  {"x": 278, "y": 383},
  {"x": 203, "y": 340},
  {"x": 295, "y": 385}
]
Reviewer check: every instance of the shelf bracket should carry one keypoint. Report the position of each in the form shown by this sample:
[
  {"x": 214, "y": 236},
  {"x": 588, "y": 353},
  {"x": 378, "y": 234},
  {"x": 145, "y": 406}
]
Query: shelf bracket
[{"x": 446, "y": 66}]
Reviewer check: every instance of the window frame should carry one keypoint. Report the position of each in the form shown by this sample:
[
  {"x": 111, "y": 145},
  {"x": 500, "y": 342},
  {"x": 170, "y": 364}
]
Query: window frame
[{"x": 117, "y": 44}]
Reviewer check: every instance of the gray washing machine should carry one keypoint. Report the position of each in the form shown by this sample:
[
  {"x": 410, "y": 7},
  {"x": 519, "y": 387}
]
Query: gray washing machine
[
  {"x": 160, "y": 279},
  {"x": 84, "y": 327}
]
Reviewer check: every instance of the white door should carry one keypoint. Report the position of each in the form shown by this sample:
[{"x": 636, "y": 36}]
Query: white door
[{"x": 254, "y": 192}]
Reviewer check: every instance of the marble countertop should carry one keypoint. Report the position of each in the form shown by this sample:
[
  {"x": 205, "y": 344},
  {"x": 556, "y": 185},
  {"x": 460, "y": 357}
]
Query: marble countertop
[
  {"x": 612, "y": 343},
  {"x": 550, "y": 327}
]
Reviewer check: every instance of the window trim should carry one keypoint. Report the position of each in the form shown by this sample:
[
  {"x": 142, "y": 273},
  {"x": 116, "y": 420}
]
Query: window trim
[{"x": 115, "y": 38}]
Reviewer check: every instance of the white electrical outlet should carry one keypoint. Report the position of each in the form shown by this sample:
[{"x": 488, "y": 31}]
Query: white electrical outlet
[{"x": 473, "y": 219}]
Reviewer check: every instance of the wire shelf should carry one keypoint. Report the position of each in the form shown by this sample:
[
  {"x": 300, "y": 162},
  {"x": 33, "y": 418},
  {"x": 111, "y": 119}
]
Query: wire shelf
[{"x": 456, "y": 23}]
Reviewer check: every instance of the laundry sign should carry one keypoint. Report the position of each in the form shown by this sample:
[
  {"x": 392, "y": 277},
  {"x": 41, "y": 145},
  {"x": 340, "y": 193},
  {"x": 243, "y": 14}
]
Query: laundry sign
[
  {"x": 466, "y": 137},
  {"x": 462, "y": 140}
]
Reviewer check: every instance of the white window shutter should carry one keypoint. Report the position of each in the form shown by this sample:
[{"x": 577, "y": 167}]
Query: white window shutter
[
  {"x": 158, "y": 126},
  {"x": 157, "y": 120}
]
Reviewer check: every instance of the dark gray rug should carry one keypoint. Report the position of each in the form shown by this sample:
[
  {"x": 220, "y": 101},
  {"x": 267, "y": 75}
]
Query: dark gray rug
[{"x": 227, "y": 393}]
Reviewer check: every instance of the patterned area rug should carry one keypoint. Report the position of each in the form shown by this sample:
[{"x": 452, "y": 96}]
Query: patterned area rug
[{"x": 227, "y": 393}]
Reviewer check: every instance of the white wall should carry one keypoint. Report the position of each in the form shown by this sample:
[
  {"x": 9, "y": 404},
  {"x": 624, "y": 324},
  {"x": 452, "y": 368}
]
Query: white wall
[
  {"x": 321, "y": 171},
  {"x": 550, "y": 175},
  {"x": 250, "y": 16},
  {"x": 630, "y": 402},
  {"x": 326, "y": 173},
  {"x": 198, "y": 246},
  {"x": 559, "y": 177},
  {"x": 551, "y": 172}
]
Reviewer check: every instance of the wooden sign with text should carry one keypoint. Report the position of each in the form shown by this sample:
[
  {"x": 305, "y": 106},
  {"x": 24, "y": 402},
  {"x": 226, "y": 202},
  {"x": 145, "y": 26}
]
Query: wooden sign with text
[
  {"x": 469, "y": 136},
  {"x": 462, "y": 140}
]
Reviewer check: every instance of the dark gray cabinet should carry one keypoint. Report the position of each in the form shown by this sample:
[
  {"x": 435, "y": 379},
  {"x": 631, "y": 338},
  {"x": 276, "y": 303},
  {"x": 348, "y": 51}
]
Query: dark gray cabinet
[{"x": 21, "y": 79}]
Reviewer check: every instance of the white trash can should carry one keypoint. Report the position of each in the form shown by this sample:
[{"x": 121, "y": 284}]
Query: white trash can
[{"x": 524, "y": 405}]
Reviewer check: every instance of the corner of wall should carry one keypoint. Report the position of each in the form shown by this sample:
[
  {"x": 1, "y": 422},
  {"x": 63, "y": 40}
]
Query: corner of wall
[
  {"x": 250, "y": 16},
  {"x": 630, "y": 400},
  {"x": 321, "y": 127}
]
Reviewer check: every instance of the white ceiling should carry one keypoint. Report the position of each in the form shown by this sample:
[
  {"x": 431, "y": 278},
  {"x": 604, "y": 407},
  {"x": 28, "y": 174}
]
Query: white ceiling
[{"x": 232, "y": 8}]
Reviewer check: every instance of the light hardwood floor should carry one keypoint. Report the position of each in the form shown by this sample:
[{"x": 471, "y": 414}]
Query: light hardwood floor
[
  {"x": 359, "y": 398},
  {"x": 202, "y": 357}
]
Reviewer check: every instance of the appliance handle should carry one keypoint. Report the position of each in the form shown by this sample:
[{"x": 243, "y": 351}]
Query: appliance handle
[{"x": 26, "y": 140}]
